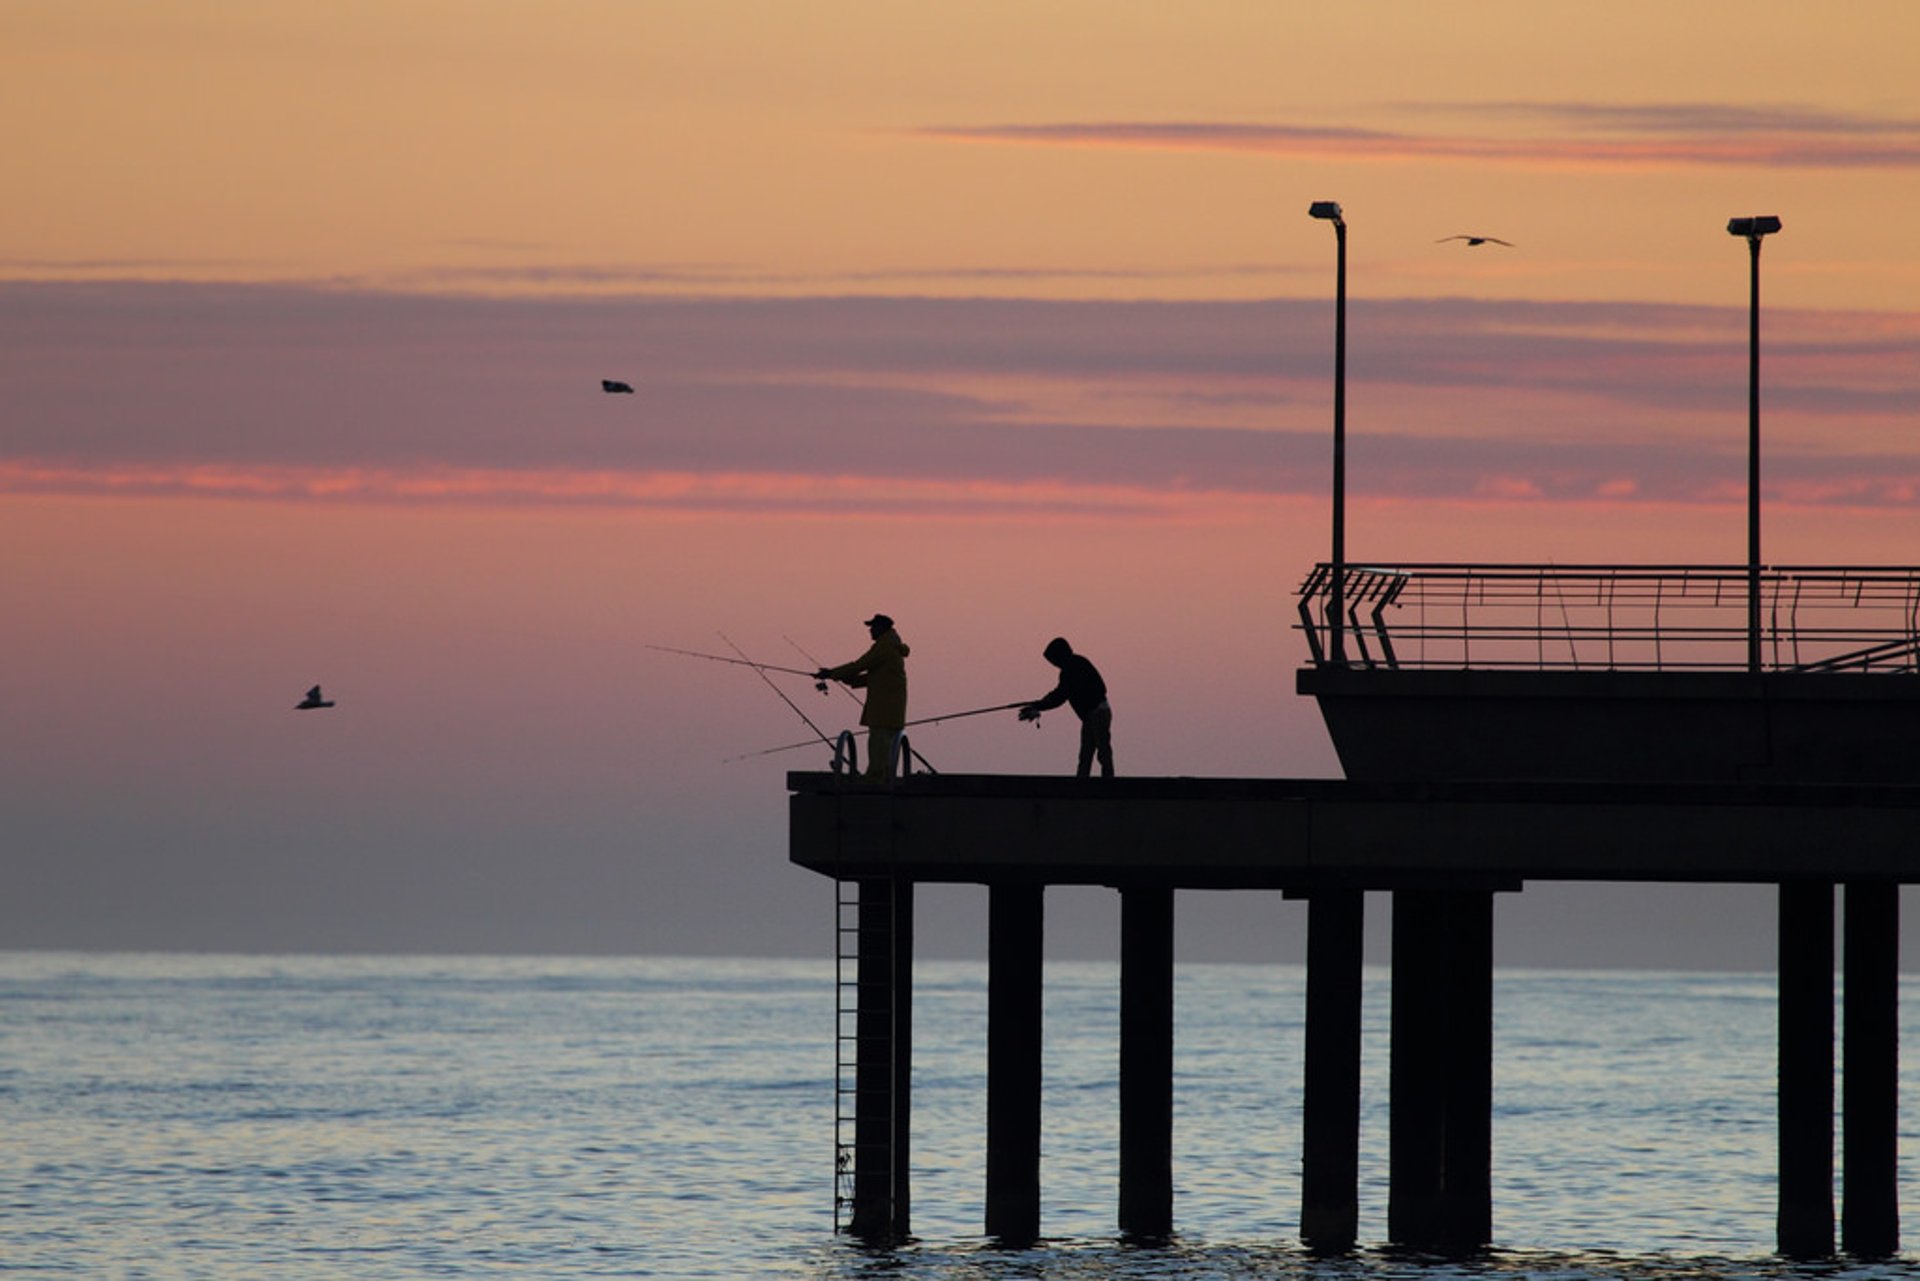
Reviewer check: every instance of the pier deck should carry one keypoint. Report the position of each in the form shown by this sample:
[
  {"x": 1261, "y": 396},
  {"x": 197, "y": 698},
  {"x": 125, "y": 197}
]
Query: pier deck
[{"x": 1214, "y": 833}]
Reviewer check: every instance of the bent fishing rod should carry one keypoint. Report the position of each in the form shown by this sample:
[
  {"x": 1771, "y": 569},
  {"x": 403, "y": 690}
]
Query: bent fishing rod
[
  {"x": 924, "y": 720},
  {"x": 819, "y": 683}
]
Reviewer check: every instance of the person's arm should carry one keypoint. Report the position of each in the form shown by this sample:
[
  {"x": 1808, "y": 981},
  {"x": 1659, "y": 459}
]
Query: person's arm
[
  {"x": 851, "y": 672},
  {"x": 1053, "y": 700}
]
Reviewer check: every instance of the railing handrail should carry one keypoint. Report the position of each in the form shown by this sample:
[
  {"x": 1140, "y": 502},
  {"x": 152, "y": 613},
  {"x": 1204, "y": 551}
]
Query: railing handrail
[{"x": 1816, "y": 617}]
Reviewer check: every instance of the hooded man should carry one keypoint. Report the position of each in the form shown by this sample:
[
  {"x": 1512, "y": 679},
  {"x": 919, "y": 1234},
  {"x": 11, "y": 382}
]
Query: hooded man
[
  {"x": 1082, "y": 689},
  {"x": 882, "y": 672}
]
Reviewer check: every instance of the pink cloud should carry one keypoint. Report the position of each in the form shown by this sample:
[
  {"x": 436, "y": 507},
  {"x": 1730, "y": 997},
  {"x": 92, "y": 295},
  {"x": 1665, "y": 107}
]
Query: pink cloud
[
  {"x": 1507, "y": 487},
  {"x": 855, "y": 404}
]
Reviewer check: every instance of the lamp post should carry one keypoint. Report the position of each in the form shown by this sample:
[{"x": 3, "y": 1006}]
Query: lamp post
[
  {"x": 1753, "y": 229},
  {"x": 1329, "y": 210}
]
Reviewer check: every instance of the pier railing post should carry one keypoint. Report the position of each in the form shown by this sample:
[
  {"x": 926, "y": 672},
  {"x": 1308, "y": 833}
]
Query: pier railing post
[
  {"x": 1805, "y": 1222},
  {"x": 1146, "y": 1063},
  {"x": 1870, "y": 1081},
  {"x": 1330, "y": 1143},
  {"x": 1015, "y": 924}
]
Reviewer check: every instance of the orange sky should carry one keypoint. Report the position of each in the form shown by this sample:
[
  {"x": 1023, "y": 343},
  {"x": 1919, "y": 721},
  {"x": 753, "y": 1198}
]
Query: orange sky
[
  {"x": 754, "y": 146},
  {"x": 1005, "y": 318}
]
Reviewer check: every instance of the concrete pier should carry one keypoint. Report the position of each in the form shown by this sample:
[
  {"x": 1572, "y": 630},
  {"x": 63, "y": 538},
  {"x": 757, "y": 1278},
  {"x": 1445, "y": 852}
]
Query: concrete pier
[{"x": 1444, "y": 851}]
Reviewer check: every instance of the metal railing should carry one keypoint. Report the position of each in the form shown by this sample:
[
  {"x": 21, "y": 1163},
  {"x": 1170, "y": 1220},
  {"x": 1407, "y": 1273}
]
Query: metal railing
[{"x": 1616, "y": 617}]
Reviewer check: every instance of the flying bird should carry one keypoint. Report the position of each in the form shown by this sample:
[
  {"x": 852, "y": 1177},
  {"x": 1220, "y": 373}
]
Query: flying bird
[
  {"x": 1476, "y": 240},
  {"x": 612, "y": 386},
  {"x": 312, "y": 700}
]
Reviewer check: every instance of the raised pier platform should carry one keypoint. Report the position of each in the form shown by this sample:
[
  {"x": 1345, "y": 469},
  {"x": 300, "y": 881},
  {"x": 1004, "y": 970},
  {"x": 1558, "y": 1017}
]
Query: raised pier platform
[
  {"x": 1444, "y": 849},
  {"x": 1497, "y": 724}
]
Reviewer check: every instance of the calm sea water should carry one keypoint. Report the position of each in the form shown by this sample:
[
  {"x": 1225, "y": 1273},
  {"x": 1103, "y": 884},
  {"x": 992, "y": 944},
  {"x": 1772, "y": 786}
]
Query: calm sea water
[{"x": 166, "y": 1116}]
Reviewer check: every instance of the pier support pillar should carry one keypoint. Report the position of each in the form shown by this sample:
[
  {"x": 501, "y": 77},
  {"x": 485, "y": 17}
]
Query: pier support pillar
[
  {"x": 1330, "y": 1145},
  {"x": 1015, "y": 924},
  {"x": 1805, "y": 1223},
  {"x": 1869, "y": 1084},
  {"x": 883, "y": 1060},
  {"x": 1440, "y": 1183},
  {"x": 1146, "y": 1063}
]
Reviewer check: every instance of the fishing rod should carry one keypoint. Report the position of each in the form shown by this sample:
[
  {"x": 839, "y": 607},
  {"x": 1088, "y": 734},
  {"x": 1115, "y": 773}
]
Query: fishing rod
[
  {"x": 800, "y": 649},
  {"x": 818, "y": 732},
  {"x": 925, "y": 720},
  {"x": 744, "y": 661}
]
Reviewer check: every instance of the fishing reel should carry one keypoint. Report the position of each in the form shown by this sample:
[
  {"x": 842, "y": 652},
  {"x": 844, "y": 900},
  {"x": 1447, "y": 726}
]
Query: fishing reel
[{"x": 821, "y": 686}]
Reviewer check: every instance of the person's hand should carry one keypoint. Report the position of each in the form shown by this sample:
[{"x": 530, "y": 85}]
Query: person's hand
[
  {"x": 821, "y": 675},
  {"x": 1029, "y": 713}
]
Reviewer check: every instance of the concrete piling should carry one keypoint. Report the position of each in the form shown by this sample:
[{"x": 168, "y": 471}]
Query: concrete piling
[
  {"x": 1870, "y": 1081},
  {"x": 1015, "y": 926},
  {"x": 1330, "y": 1128},
  {"x": 1146, "y": 1063},
  {"x": 1805, "y": 1217}
]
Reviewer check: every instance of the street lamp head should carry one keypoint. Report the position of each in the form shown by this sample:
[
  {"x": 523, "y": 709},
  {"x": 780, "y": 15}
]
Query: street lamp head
[
  {"x": 1328, "y": 209},
  {"x": 1753, "y": 228}
]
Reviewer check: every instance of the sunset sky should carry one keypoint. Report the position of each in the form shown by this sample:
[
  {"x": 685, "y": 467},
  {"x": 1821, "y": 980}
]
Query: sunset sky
[{"x": 1005, "y": 319}]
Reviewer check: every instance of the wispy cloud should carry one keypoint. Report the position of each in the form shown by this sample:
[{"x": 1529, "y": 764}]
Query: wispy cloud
[
  {"x": 1686, "y": 117},
  {"x": 850, "y": 404},
  {"x": 730, "y": 277},
  {"x": 655, "y": 490},
  {"x": 1565, "y": 134},
  {"x": 124, "y": 267}
]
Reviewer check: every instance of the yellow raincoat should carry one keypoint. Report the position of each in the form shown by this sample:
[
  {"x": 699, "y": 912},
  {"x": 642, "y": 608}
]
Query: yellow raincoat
[{"x": 882, "y": 672}]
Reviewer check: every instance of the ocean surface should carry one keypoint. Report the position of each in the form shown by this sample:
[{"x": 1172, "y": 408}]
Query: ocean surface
[{"x": 297, "y": 1118}]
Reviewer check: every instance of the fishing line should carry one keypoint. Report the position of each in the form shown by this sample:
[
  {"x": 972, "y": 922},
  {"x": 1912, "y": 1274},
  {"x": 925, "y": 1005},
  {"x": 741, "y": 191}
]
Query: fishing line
[{"x": 818, "y": 732}]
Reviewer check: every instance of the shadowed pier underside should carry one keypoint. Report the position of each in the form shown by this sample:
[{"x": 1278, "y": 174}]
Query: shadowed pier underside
[{"x": 1444, "y": 849}]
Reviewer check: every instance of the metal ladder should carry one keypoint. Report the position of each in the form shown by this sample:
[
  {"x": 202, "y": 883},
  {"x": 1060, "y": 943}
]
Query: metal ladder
[
  {"x": 847, "y": 924},
  {"x": 846, "y": 1045}
]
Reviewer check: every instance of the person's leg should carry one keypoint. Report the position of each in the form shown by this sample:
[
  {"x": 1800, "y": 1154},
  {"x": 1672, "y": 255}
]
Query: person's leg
[
  {"x": 1102, "y": 727},
  {"x": 880, "y": 752}
]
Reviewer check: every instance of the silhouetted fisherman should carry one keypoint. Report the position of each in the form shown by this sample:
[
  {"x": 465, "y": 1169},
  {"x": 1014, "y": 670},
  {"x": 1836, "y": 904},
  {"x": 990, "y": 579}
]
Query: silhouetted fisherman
[
  {"x": 312, "y": 700},
  {"x": 882, "y": 672},
  {"x": 1082, "y": 689}
]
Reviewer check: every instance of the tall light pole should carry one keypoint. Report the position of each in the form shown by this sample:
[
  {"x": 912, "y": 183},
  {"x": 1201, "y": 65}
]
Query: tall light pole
[
  {"x": 1753, "y": 229},
  {"x": 1329, "y": 210}
]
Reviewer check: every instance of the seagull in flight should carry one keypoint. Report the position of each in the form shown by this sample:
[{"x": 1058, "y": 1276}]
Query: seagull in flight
[
  {"x": 613, "y": 386},
  {"x": 312, "y": 700},
  {"x": 1476, "y": 240}
]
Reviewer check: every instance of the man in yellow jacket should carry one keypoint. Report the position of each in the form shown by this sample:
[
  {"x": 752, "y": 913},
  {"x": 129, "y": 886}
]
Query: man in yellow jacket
[{"x": 882, "y": 672}]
